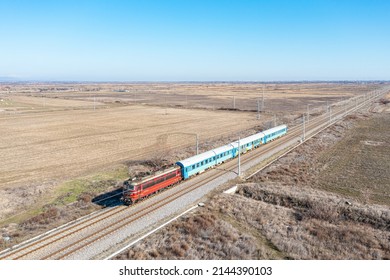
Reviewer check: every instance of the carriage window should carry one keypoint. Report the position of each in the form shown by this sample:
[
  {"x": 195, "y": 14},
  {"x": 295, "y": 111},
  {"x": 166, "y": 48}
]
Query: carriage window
[
  {"x": 193, "y": 167},
  {"x": 147, "y": 185},
  {"x": 197, "y": 165}
]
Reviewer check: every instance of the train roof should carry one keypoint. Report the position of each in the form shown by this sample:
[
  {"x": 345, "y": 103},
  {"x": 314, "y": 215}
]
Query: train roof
[
  {"x": 250, "y": 139},
  {"x": 198, "y": 158},
  {"x": 206, "y": 155},
  {"x": 155, "y": 175},
  {"x": 274, "y": 129}
]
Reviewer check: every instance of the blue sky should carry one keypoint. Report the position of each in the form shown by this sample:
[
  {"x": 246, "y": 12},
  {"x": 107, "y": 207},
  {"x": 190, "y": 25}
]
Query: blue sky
[{"x": 195, "y": 40}]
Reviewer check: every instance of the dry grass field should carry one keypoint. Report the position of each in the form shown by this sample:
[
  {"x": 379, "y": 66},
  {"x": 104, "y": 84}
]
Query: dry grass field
[
  {"x": 40, "y": 149},
  {"x": 278, "y": 97},
  {"x": 62, "y": 143},
  {"x": 359, "y": 164}
]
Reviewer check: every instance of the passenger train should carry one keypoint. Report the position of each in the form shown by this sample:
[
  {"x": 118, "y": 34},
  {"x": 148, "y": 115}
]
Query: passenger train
[{"x": 184, "y": 169}]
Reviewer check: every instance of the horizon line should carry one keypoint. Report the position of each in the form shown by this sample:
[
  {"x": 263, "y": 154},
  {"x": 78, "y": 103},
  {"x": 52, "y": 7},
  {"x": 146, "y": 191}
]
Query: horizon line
[{"x": 13, "y": 81}]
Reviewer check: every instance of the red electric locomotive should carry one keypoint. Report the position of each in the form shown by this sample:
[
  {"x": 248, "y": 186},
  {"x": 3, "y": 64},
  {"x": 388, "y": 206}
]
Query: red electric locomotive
[{"x": 138, "y": 189}]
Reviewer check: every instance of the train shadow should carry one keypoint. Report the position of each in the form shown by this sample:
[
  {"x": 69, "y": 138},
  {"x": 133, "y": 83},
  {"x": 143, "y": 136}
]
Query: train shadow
[{"x": 109, "y": 199}]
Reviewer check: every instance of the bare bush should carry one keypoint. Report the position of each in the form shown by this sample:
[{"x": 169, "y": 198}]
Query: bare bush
[
  {"x": 202, "y": 236},
  {"x": 315, "y": 225},
  {"x": 45, "y": 218}
]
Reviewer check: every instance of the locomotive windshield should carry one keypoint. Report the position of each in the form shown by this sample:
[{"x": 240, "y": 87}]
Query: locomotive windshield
[{"x": 128, "y": 186}]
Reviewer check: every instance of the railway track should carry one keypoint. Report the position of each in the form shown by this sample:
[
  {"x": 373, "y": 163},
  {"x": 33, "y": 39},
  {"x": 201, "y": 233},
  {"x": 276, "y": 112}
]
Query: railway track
[{"x": 69, "y": 240}]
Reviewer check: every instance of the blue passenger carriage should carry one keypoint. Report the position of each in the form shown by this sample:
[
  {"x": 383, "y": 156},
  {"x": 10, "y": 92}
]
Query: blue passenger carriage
[
  {"x": 199, "y": 163},
  {"x": 135, "y": 190},
  {"x": 249, "y": 143},
  {"x": 275, "y": 132}
]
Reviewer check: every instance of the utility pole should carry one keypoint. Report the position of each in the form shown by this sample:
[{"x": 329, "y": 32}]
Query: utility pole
[
  {"x": 304, "y": 128},
  {"x": 239, "y": 157},
  {"x": 308, "y": 114},
  {"x": 274, "y": 120},
  {"x": 197, "y": 144},
  {"x": 258, "y": 108},
  {"x": 234, "y": 102},
  {"x": 330, "y": 114},
  {"x": 262, "y": 101}
]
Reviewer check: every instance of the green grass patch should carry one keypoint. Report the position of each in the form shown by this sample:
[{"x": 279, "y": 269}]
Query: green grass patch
[
  {"x": 20, "y": 217},
  {"x": 69, "y": 191}
]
